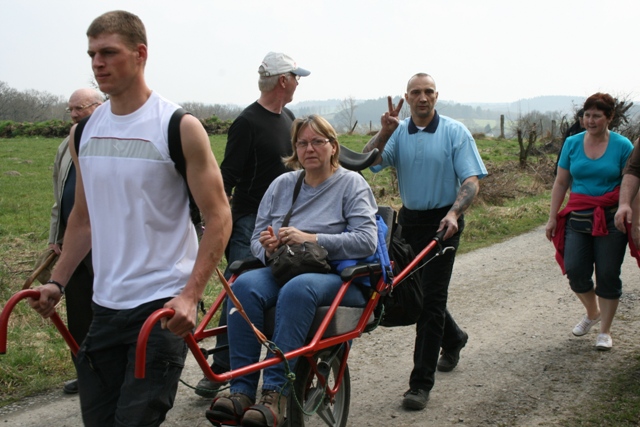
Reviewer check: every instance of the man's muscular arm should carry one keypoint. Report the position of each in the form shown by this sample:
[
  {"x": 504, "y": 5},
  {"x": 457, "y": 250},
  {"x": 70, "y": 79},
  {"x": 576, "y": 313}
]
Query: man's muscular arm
[
  {"x": 205, "y": 181},
  {"x": 467, "y": 192}
]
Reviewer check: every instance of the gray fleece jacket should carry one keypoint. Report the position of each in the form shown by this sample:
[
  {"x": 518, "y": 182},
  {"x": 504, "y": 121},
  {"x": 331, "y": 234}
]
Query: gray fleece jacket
[{"x": 341, "y": 211}]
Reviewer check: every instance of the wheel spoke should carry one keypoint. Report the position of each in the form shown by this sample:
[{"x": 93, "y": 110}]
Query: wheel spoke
[
  {"x": 325, "y": 412},
  {"x": 313, "y": 399}
]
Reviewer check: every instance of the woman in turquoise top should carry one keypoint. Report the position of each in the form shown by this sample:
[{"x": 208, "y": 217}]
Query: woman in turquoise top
[{"x": 591, "y": 165}]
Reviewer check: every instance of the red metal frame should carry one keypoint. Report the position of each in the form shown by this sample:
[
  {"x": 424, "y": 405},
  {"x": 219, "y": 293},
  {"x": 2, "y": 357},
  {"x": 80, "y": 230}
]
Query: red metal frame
[
  {"x": 55, "y": 318},
  {"x": 316, "y": 344}
]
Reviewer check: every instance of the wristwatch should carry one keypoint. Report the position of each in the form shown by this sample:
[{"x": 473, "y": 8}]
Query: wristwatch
[{"x": 53, "y": 282}]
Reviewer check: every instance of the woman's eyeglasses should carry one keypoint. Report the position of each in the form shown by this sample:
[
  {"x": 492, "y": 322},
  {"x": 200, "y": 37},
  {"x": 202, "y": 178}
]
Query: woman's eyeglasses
[{"x": 315, "y": 143}]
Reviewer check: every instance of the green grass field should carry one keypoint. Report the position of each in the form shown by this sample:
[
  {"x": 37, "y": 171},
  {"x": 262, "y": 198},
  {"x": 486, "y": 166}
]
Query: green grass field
[{"x": 37, "y": 358}]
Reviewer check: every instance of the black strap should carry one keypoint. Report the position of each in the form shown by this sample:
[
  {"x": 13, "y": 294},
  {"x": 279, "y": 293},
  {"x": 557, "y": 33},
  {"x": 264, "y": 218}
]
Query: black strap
[
  {"x": 78, "y": 134},
  {"x": 296, "y": 191},
  {"x": 175, "y": 142},
  {"x": 177, "y": 155}
]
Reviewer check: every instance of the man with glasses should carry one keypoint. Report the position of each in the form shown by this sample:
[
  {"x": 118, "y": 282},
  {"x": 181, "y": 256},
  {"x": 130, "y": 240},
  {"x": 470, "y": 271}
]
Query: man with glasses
[
  {"x": 257, "y": 141},
  {"x": 80, "y": 288}
]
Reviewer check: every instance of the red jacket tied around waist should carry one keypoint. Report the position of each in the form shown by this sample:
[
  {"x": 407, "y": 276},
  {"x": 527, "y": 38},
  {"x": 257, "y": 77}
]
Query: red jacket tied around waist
[{"x": 580, "y": 202}]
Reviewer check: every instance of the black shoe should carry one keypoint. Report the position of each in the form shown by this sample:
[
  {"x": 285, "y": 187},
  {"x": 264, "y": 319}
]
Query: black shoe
[
  {"x": 71, "y": 387},
  {"x": 415, "y": 399},
  {"x": 449, "y": 359},
  {"x": 208, "y": 388}
]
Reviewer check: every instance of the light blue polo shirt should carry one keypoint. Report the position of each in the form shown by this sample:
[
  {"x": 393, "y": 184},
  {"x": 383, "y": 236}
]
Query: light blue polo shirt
[{"x": 431, "y": 163}]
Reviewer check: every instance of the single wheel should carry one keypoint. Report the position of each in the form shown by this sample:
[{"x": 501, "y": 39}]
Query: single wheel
[{"x": 310, "y": 394}]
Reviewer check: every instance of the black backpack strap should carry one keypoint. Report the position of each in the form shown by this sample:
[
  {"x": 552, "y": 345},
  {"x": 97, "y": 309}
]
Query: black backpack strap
[
  {"x": 296, "y": 191},
  {"x": 175, "y": 143},
  {"x": 78, "y": 134},
  {"x": 175, "y": 151}
]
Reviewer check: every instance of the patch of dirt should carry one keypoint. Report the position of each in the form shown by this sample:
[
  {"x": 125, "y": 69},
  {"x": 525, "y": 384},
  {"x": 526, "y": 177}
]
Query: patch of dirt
[
  {"x": 521, "y": 367},
  {"x": 507, "y": 180}
]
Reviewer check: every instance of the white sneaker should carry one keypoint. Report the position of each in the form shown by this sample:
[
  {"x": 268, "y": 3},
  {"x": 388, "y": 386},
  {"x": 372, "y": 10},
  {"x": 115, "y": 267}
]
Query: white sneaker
[
  {"x": 604, "y": 342},
  {"x": 584, "y": 325}
]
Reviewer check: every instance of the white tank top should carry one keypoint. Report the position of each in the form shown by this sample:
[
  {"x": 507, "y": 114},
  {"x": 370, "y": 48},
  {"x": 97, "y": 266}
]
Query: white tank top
[{"x": 143, "y": 242}]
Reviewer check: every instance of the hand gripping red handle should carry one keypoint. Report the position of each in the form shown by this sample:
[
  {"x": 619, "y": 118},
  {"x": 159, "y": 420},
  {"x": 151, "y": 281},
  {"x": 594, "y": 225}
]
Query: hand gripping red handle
[
  {"x": 143, "y": 338},
  {"x": 55, "y": 318}
]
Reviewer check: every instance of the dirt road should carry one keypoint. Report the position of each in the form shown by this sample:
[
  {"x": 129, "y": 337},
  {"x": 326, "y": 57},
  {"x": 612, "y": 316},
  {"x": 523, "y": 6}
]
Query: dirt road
[{"x": 521, "y": 367}]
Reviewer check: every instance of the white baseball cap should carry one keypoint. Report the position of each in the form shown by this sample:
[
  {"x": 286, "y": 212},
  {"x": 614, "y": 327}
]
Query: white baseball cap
[{"x": 278, "y": 63}]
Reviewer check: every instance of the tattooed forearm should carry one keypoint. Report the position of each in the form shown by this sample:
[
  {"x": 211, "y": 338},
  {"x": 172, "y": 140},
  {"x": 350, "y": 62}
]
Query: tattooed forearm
[
  {"x": 468, "y": 191},
  {"x": 379, "y": 142},
  {"x": 373, "y": 143}
]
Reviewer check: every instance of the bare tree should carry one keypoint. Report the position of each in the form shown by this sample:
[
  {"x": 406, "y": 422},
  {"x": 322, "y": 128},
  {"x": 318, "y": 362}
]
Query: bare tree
[
  {"x": 7, "y": 99},
  {"x": 527, "y": 129},
  {"x": 30, "y": 105},
  {"x": 346, "y": 117},
  {"x": 405, "y": 111},
  {"x": 621, "y": 112}
]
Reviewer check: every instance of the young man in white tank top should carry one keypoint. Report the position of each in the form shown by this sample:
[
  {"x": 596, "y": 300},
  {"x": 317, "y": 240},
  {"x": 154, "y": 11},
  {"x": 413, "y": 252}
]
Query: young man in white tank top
[{"x": 131, "y": 209}]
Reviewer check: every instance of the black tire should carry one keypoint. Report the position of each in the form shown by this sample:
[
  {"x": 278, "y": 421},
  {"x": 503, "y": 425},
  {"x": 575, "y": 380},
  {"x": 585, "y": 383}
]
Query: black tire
[{"x": 308, "y": 395}]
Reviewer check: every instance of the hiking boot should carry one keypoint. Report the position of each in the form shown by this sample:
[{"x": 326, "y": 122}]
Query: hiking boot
[
  {"x": 208, "y": 388},
  {"x": 228, "y": 410},
  {"x": 584, "y": 325},
  {"x": 604, "y": 342},
  {"x": 449, "y": 358},
  {"x": 269, "y": 412},
  {"x": 415, "y": 399},
  {"x": 70, "y": 387}
]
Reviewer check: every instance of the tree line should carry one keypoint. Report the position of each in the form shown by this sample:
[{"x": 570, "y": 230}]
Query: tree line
[
  {"x": 38, "y": 113},
  {"x": 32, "y": 112},
  {"x": 30, "y": 105}
]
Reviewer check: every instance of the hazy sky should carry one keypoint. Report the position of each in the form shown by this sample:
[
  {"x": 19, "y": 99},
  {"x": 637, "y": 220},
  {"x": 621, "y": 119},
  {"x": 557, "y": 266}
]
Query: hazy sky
[{"x": 209, "y": 51}]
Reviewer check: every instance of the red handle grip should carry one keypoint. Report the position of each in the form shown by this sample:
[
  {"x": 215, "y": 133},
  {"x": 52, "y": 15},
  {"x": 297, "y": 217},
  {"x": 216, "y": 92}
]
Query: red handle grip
[{"x": 55, "y": 318}]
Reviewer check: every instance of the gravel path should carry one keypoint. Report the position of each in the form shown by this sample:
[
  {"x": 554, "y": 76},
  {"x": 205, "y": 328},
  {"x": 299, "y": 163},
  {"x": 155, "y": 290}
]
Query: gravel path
[{"x": 521, "y": 367}]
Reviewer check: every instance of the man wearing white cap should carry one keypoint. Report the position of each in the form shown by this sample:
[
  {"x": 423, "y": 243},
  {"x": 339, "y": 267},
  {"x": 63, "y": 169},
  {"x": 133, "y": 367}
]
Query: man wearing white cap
[{"x": 257, "y": 141}]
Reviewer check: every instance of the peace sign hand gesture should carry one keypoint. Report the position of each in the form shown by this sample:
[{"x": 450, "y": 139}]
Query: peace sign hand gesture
[{"x": 389, "y": 119}]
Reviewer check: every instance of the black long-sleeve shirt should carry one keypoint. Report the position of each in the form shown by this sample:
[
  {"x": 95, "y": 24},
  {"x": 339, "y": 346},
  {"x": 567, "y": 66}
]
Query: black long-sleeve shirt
[{"x": 256, "y": 143}]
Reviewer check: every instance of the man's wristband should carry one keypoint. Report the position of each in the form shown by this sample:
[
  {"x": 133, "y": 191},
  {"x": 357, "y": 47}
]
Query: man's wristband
[{"x": 53, "y": 282}]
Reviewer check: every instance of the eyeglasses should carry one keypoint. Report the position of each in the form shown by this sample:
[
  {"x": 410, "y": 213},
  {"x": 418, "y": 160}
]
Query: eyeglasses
[
  {"x": 315, "y": 143},
  {"x": 295, "y": 76},
  {"x": 78, "y": 109}
]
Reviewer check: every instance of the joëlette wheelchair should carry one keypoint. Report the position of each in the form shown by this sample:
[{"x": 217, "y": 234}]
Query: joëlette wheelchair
[{"x": 320, "y": 394}]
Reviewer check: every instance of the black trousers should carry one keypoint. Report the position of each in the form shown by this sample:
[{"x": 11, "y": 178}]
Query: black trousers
[
  {"x": 110, "y": 395},
  {"x": 436, "y": 327}
]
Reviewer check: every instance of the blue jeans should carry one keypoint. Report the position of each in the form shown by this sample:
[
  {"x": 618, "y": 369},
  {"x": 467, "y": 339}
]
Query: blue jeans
[
  {"x": 295, "y": 304},
  {"x": 239, "y": 246},
  {"x": 110, "y": 395},
  {"x": 583, "y": 252}
]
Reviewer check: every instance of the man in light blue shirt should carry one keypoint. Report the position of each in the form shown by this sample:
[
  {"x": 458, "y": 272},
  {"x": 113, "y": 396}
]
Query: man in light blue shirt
[{"x": 439, "y": 168}]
